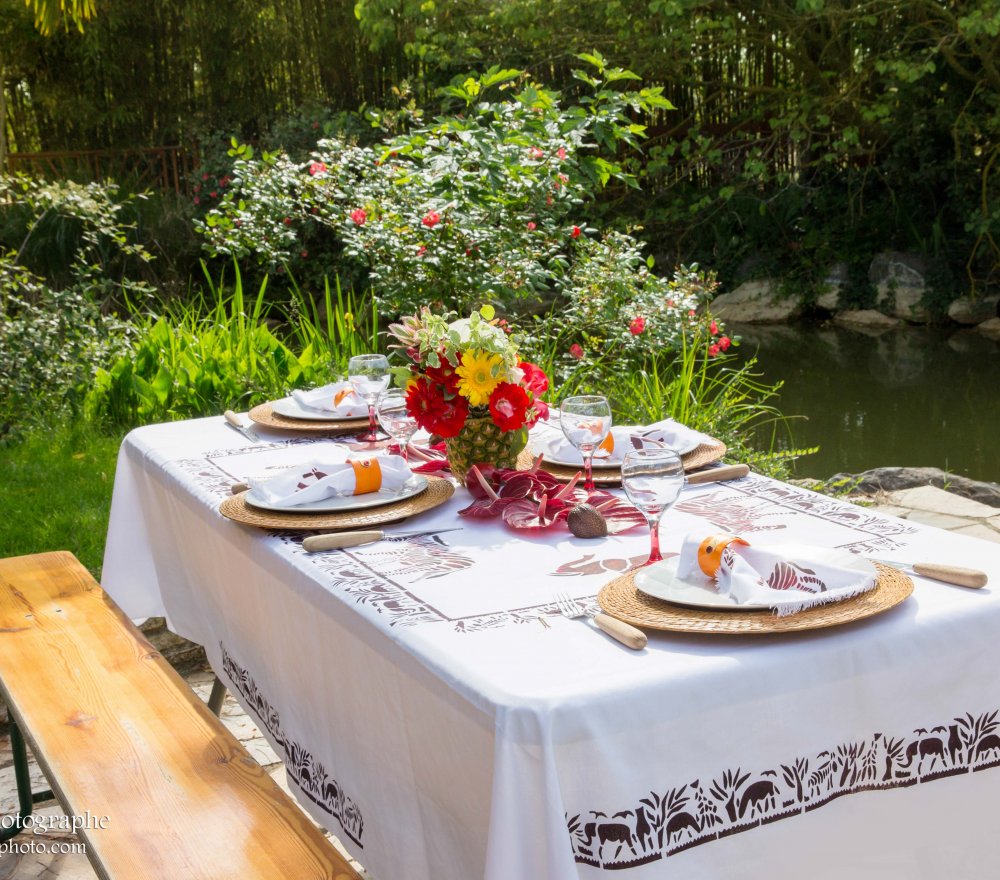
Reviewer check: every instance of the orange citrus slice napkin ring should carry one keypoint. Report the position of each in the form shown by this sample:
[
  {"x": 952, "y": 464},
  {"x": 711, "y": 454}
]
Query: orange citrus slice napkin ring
[
  {"x": 710, "y": 552},
  {"x": 367, "y": 475}
]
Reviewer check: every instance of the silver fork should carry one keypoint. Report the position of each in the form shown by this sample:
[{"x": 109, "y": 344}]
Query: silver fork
[{"x": 623, "y": 632}]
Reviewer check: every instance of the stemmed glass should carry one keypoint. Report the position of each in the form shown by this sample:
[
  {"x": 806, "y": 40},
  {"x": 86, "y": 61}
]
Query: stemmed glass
[
  {"x": 653, "y": 479},
  {"x": 369, "y": 374},
  {"x": 585, "y": 421},
  {"x": 395, "y": 419}
]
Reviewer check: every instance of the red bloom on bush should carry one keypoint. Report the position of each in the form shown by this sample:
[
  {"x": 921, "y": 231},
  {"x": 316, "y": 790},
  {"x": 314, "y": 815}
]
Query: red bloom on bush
[
  {"x": 713, "y": 350},
  {"x": 421, "y": 250},
  {"x": 576, "y": 351},
  {"x": 713, "y": 328},
  {"x": 431, "y": 219},
  {"x": 316, "y": 168},
  {"x": 535, "y": 379},
  {"x": 532, "y": 226},
  {"x": 637, "y": 325},
  {"x": 509, "y": 406},
  {"x": 304, "y": 254},
  {"x": 359, "y": 217},
  {"x": 287, "y": 221},
  {"x": 575, "y": 232},
  {"x": 213, "y": 194},
  {"x": 724, "y": 342},
  {"x": 536, "y": 153},
  {"x": 561, "y": 153}
]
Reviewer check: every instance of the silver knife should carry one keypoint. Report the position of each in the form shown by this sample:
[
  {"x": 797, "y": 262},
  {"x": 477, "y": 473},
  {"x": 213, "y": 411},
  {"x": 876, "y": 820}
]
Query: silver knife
[
  {"x": 342, "y": 540},
  {"x": 234, "y": 422}
]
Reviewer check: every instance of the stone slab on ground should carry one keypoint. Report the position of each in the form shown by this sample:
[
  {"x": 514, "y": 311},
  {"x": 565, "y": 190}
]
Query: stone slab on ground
[{"x": 934, "y": 500}]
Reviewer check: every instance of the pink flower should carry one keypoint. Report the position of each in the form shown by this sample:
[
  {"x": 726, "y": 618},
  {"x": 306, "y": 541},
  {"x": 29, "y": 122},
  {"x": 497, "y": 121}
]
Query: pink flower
[
  {"x": 725, "y": 342},
  {"x": 204, "y": 176},
  {"x": 532, "y": 226},
  {"x": 197, "y": 201},
  {"x": 548, "y": 200},
  {"x": 637, "y": 325},
  {"x": 359, "y": 217},
  {"x": 561, "y": 153},
  {"x": 713, "y": 328},
  {"x": 304, "y": 254},
  {"x": 670, "y": 304},
  {"x": 431, "y": 219},
  {"x": 575, "y": 233},
  {"x": 535, "y": 153},
  {"x": 421, "y": 250},
  {"x": 576, "y": 351},
  {"x": 564, "y": 178},
  {"x": 691, "y": 313},
  {"x": 317, "y": 168},
  {"x": 713, "y": 350}
]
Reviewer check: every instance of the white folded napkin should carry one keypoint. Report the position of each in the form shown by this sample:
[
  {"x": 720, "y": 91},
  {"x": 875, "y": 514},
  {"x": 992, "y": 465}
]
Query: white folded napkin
[
  {"x": 315, "y": 480},
  {"x": 786, "y": 578},
  {"x": 337, "y": 398},
  {"x": 550, "y": 441}
]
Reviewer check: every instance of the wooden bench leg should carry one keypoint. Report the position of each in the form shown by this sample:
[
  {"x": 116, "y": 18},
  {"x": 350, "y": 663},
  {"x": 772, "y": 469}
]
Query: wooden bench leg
[
  {"x": 217, "y": 697},
  {"x": 10, "y": 828}
]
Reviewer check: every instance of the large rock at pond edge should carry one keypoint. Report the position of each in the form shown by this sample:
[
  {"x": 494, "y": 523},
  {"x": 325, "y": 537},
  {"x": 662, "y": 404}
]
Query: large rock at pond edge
[
  {"x": 837, "y": 278},
  {"x": 891, "y": 479},
  {"x": 756, "y": 302},
  {"x": 973, "y": 311},
  {"x": 990, "y": 328},
  {"x": 867, "y": 321},
  {"x": 901, "y": 284}
]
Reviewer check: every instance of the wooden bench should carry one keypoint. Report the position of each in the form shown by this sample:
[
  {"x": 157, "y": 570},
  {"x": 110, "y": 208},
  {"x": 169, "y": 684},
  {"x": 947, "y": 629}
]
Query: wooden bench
[{"x": 120, "y": 735}]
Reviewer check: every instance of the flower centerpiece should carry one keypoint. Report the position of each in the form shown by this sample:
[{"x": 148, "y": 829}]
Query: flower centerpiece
[{"x": 467, "y": 384}]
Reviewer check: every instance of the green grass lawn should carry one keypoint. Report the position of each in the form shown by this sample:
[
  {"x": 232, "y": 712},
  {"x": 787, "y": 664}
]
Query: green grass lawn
[{"x": 55, "y": 494}]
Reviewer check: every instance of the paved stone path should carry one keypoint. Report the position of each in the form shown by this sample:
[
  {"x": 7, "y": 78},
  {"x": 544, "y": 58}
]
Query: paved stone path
[{"x": 924, "y": 504}]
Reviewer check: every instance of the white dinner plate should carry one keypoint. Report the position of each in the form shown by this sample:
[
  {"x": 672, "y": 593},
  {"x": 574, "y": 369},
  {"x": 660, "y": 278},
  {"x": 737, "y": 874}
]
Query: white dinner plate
[
  {"x": 598, "y": 464},
  {"x": 414, "y": 486},
  {"x": 290, "y": 408},
  {"x": 660, "y": 579}
]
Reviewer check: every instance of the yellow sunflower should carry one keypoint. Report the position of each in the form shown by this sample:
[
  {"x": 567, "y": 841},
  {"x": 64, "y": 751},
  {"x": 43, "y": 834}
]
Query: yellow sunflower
[{"x": 477, "y": 376}]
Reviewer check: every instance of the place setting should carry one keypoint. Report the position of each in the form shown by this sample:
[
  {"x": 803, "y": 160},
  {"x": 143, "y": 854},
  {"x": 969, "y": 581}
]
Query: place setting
[
  {"x": 338, "y": 407},
  {"x": 584, "y": 438},
  {"x": 347, "y": 488}
]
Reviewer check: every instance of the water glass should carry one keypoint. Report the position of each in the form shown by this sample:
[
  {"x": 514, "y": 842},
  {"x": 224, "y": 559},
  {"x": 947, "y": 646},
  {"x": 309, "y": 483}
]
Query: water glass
[
  {"x": 396, "y": 419},
  {"x": 653, "y": 479},
  {"x": 585, "y": 421},
  {"x": 369, "y": 374}
]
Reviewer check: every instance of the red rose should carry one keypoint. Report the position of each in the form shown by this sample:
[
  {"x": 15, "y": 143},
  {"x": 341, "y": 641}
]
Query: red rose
[
  {"x": 316, "y": 168},
  {"x": 576, "y": 351},
  {"x": 575, "y": 233},
  {"x": 431, "y": 219},
  {"x": 637, "y": 325},
  {"x": 713, "y": 350},
  {"x": 359, "y": 217},
  {"x": 724, "y": 342},
  {"x": 508, "y": 406}
]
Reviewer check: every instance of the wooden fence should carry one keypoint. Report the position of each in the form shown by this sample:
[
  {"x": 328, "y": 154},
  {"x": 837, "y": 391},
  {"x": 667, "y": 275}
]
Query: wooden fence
[{"x": 168, "y": 169}]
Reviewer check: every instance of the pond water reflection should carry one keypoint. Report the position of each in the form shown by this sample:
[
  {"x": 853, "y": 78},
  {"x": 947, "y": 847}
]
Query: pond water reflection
[{"x": 915, "y": 397}]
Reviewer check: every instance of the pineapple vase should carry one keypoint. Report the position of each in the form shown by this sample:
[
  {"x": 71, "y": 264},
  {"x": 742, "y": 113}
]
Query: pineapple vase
[{"x": 481, "y": 442}]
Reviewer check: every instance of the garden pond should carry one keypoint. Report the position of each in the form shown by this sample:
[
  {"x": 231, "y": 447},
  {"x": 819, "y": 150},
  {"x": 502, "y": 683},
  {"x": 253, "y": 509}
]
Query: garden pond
[{"x": 918, "y": 397}]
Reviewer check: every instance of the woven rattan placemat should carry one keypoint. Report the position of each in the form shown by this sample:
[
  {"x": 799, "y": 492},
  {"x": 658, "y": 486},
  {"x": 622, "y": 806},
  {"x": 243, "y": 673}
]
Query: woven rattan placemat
[
  {"x": 437, "y": 492},
  {"x": 265, "y": 415},
  {"x": 621, "y": 599},
  {"x": 696, "y": 458}
]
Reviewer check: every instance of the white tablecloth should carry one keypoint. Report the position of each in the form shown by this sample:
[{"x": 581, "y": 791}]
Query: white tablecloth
[{"x": 437, "y": 714}]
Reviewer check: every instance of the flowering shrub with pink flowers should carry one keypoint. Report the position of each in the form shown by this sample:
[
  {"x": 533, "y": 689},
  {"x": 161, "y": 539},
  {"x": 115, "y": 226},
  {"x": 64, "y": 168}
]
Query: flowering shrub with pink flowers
[{"x": 484, "y": 205}]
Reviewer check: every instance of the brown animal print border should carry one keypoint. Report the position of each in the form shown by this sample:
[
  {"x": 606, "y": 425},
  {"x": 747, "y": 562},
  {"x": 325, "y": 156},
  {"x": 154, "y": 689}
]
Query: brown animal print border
[
  {"x": 300, "y": 765},
  {"x": 667, "y": 822}
]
